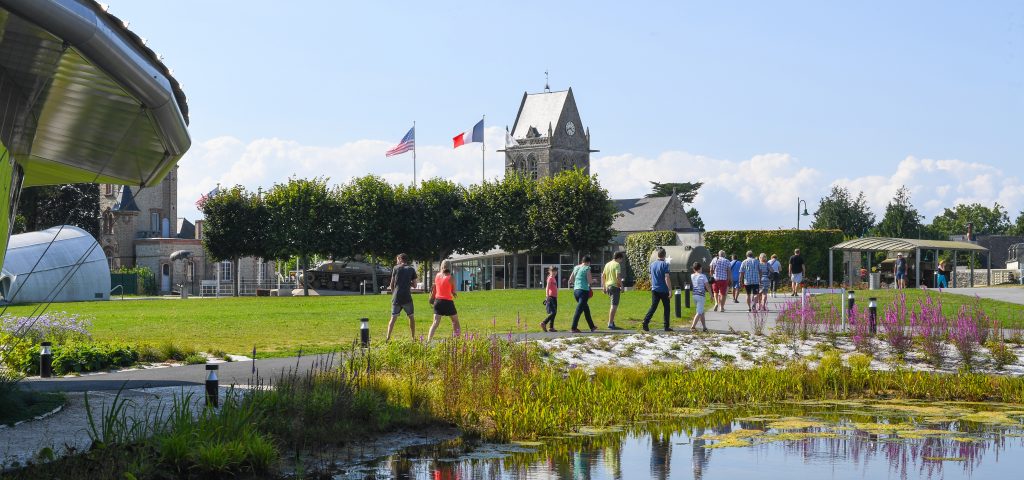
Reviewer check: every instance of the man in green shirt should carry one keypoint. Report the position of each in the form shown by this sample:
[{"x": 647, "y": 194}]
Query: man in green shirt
[{"x": 611, "y": 283}]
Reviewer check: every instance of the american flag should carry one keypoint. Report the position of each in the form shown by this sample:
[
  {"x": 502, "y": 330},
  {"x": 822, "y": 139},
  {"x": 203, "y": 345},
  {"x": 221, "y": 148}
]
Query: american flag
[
  {"x": 408, "y": 143},
  {"x": 202, "y": 198}
]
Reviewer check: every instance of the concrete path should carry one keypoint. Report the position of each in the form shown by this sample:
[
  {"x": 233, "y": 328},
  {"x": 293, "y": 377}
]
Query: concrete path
[{"x": 1006, "y": 294}]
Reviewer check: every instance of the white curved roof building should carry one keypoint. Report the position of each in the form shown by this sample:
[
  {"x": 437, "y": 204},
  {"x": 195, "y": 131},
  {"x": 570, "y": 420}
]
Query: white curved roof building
[{"x": 73, "y": 268}]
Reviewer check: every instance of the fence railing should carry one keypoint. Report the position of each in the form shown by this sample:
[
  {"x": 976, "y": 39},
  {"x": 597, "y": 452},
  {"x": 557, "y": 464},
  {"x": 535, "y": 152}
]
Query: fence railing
[{"x": 208, "y": 288}]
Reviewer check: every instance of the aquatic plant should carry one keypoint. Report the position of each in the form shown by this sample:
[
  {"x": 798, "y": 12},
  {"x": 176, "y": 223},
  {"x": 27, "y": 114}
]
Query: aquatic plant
[
  {"x": 930, "y": 327},
  {"x": 965, "y": 335}
]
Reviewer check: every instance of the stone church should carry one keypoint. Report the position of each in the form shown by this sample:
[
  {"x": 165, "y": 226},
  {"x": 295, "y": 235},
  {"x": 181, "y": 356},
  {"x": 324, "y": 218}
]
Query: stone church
[
  {"x": 140, "y": 227},
  {"x": 548, "y": 136}
]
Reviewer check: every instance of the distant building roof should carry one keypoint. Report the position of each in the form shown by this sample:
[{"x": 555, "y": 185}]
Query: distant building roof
[
  {"x": 639, "y": 214},
  {"x": 886, "y": 244},
  {"x": 125, "y": 201},
  {"x": 186, "y": 229},
  {"x": 539, "y": 110}
]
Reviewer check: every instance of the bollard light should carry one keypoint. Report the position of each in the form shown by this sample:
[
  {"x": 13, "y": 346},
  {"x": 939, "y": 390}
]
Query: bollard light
[
  {"x": 850, "y": 300},
  {"x": 364, "y": 332},
  {"x": 212, "y": 389},
  {"x": 873, "y": 315},
  {"x": 686, "y": 288},
  {"x": 46, "y": 360},
  {"x": 679, "y": 303}
]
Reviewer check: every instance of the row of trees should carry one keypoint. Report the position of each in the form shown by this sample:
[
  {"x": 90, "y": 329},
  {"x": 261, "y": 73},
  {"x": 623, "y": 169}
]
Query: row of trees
[
  {"x": 368, "y": 217},
  {"x": 841, "y": 210}
]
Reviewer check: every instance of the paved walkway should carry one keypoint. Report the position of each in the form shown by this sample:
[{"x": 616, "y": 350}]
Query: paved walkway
[{"x": 1006, "y": 294}]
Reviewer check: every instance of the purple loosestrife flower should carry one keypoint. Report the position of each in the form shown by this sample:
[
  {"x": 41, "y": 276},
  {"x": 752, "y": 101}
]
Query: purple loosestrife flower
[
  {"x": 895, "y": 332},
  {"x": 965, "y": 336},
  {"x": 861, "y": 329}
]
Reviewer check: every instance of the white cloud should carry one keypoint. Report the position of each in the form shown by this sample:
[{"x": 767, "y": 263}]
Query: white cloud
[{"x": 759, "y": 192}]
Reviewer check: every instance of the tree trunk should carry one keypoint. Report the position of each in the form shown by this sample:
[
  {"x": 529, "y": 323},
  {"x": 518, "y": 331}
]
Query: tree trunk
[
  {"x": 305, "y": 276},
  {"x": 237, "y": 278},
  {"x": 374, "y": 276},
  {"x": 515, "y": 268}
]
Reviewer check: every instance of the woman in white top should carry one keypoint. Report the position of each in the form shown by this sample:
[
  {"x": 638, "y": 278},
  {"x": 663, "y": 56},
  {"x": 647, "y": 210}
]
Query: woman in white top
[{"x": 700, "y": 289}]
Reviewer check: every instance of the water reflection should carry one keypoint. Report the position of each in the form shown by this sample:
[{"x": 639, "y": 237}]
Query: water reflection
[{"x": 834, "y": 442}]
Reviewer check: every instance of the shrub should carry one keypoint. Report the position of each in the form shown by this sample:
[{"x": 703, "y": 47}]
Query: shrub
[
  {"x": 860, "y": 325},
  {"x": 1001, "y": 353},
  {"x": 965, "y": 336},
  {"x": 930, "y": 327},
  {"x": 195, "y": 359},
  {"x": 894, "y": 324},
  {"x": 813, "y": 245},
  {"x": 57, "y": 327},
  {"x": 638, "y": 252},
  {"x": 23, "y": 357}
]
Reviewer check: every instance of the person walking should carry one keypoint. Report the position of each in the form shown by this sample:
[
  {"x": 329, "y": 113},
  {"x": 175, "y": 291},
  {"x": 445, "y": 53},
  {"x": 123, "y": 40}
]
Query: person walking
[
  {"x": 700, "y": 288},
  {"x": 942, "y": 279},
  {"x": 661, "y": 284},
  {"x": 765, "y": 271},
  {"x": 796, "y": 271},
  {"x": 551, "y": 300},
  {"x": 776, "y": 273},
  {"x": 734, "y": 271},
  {"x": 402, "y": 279},
  {"x": 443, "y": 293},
  {"x": 900, "y": 271},
  {"x": 580, "y": 280},
  {"x": 611, "y": 283},
  {"x": 750, "y": 277},
  {"x": 720, "y": 276}
]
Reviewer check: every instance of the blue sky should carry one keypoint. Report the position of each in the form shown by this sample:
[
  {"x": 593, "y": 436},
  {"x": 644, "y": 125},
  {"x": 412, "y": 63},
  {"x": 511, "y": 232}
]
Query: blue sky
[{"x": 786, "y": 98}]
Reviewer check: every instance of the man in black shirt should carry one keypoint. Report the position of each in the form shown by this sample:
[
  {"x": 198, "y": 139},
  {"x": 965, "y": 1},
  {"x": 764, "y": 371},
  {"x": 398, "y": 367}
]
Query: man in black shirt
[
  {"x": 402, "y": 280},
  {"x": 796, "y": 271}
]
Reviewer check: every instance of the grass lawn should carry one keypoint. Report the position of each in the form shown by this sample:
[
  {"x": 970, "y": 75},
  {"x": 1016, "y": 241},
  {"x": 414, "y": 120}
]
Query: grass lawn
[
  {"x": 1010, "y": 314},
  {"x": 283, "y": 325}
]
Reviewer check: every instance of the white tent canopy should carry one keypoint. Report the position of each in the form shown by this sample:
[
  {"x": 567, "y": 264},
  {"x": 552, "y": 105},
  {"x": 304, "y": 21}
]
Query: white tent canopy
[{"x": 73, "y": 268}]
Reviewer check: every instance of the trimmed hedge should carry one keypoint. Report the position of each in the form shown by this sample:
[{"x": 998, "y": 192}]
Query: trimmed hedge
[
  {"x": 638, "y": 252},
  {"x": 813, "y": 245}
]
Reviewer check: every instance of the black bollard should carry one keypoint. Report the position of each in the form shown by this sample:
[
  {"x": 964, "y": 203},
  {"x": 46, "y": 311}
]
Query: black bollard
[
  {"x": 46, "y": 360},
  {"x": 364, "y": 332},
  {"x": 254, "y": 359},
  {"x": 849, "y": 301},
  {"x": 873, "y": 315},
  {"x": 679, "y": 303},
  {"x": 212, "y": 389},
  {"x": 686, "y": 295}
]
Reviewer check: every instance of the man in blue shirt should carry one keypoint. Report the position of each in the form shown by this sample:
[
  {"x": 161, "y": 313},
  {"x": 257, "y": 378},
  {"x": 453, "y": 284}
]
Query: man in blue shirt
[
  {"x": 734, "y": 267},
  {"x": 661, "y": 285}
]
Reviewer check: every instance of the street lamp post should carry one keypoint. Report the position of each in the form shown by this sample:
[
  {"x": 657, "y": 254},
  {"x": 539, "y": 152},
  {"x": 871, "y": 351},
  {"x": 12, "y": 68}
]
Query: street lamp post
[{"x": 798, "y": 214}]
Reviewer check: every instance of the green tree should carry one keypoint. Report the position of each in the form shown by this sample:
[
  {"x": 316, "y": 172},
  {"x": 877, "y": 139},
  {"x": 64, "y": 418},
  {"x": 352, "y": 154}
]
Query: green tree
[
  {"x": 503, "y": 209},
  {"x": 987, "y": 221},
  {"x": 47, "y": 206},
  {"x": 382, "y": 223},
  {"x": 901, "y": 219},
  {"x": 300, "y": 215},
  {"x": 1018, "y": 225},
  {"x": 840, "y": 211},
  {"x": 235, "y": 226},
  {"x": 686, "y": 191},
  {"x": 695, "y": 219},
  {"x": 572, "y": 211}
]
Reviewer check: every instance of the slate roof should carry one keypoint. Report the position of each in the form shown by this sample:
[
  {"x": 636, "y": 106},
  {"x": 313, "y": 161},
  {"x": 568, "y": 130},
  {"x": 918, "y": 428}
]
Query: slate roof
[
  {"x": 878, "y": 244},
  {"x": 126, "y": 201},
  {"x": 539, "y": 110},
  {"x": 639, "y": 214}
]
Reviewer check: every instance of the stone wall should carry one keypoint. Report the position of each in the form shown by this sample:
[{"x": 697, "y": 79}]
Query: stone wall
[{"x": 999, "y": 276}]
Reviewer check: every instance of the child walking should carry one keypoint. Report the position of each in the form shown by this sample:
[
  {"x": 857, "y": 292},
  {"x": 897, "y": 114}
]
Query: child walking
[
  {"x": 551, "y": 302},
  {"x": 700, "y": 289}
]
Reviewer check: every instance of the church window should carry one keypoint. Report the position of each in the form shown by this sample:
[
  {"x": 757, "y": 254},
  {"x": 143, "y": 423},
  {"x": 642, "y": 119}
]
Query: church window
[
  {"x": 108, "y": 189},
  {"x": 154, "y": 221},
  {"x": 108, "y": 222},
  {"x": 225, "y": 271},
  {"x": 531, "y": 167}
]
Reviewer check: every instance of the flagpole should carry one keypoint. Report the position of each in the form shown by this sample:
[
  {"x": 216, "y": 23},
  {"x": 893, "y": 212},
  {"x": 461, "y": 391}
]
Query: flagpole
[
  {"x": 483, "y": 152},
  {"x": 414, "y": 153}
]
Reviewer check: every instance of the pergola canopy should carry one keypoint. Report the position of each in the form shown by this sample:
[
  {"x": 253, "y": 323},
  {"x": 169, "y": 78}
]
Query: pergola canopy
[{"x": 886, "y": 244}]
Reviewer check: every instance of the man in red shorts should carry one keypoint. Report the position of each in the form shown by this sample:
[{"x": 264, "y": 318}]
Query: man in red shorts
[{"x": 720, "y": 274}]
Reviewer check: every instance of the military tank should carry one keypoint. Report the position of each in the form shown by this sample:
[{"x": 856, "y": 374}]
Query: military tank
[
  {"x": 681, "y": 259},
  {"x": 344, "y": 275}
]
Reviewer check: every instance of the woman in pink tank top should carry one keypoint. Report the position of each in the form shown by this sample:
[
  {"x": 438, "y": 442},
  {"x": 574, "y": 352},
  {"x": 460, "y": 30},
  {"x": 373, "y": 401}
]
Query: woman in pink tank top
[
  {"x": 444, "y": 300},
  {"x": 551, "y": 301}
]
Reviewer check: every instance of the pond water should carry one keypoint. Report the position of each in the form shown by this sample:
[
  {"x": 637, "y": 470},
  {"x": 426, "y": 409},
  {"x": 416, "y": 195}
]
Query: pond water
[{"x": 838, "y": 440}]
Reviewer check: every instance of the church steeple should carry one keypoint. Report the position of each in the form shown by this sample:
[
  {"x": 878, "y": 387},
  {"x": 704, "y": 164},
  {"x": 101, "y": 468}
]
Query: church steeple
[{"x": 564, "y": 145}]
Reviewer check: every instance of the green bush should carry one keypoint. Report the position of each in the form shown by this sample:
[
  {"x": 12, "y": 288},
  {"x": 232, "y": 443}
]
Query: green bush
[
  {"x": 147, "y": 281},
  {"x": 813, "y": 245},
  {"x": 23, "y": 357},
  {"x": 638, "y": 252}
]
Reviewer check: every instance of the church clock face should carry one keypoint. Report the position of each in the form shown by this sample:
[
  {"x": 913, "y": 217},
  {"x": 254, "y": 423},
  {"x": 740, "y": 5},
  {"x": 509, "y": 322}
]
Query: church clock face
[{"x": 570, "y": 128}]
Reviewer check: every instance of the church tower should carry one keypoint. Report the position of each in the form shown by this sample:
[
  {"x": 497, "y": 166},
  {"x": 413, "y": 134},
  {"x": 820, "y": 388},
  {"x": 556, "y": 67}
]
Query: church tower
[{"x": 548, "y": 136}]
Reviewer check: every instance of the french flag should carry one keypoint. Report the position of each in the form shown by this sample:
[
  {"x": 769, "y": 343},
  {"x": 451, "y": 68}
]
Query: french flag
[{"x": 474, "y": 135}]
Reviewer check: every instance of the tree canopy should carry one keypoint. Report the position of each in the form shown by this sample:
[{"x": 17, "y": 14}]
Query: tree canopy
[
  {"x": 43, "y": 207},
  {"x": 901, "y": 219},
  {"x": 573, "y": 211},
  {"x": 987, "y": 221},
  {"x": 686, "y": 191},
  {"x": 1018, "y": 226},
  {"x": 840, "y": 211}
]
